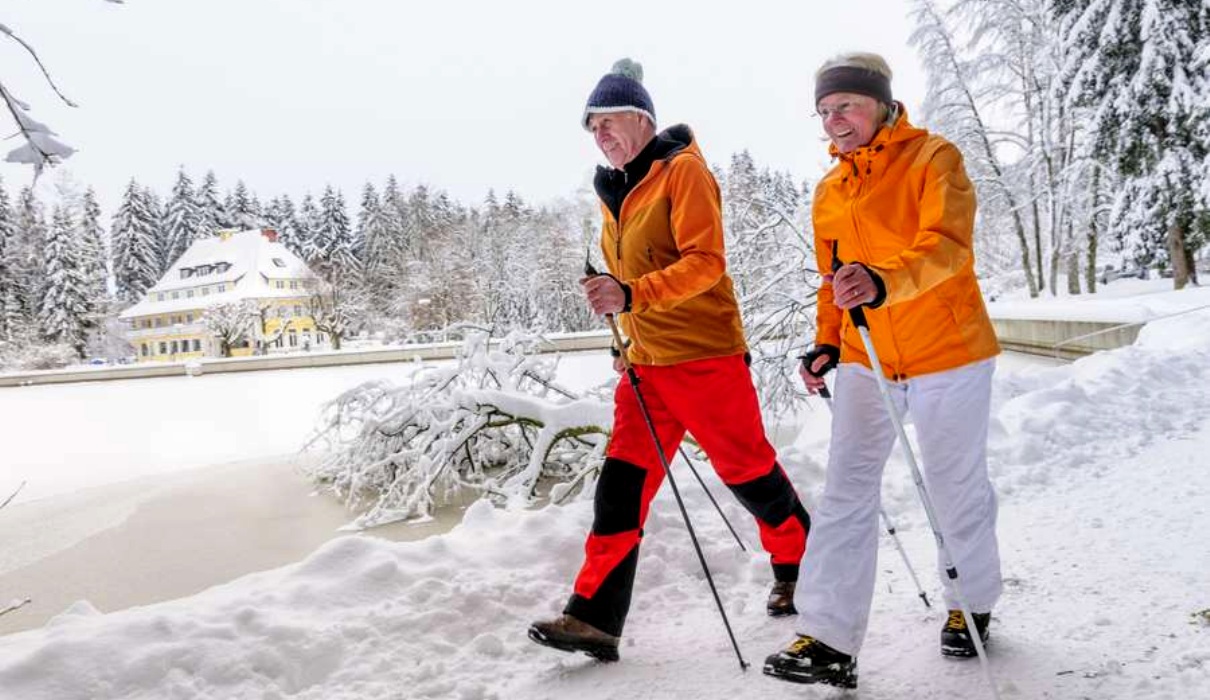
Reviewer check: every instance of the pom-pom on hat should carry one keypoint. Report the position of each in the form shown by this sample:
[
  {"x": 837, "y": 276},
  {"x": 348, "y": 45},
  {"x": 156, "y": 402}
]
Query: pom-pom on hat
[{"x": 620, "y": 90}]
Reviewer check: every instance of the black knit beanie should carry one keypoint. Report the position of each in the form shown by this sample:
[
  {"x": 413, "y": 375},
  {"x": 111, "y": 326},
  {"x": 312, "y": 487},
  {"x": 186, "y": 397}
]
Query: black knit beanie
[{"x": 620, "y": 90}]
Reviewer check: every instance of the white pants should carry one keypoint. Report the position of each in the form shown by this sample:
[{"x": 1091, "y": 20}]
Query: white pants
[{"x": 950, "y": 411}]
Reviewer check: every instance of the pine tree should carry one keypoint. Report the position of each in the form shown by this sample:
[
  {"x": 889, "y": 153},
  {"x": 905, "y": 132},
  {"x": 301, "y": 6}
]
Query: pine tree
[
  {"x": 136, "y": 258},
  {"x": 212, "y": 215},
  {"x": 243, "y": 208},
  {"x": 377, "y": 249},
  {"x": 1129, "y": 64},
  {"x": 339, "y": 252},
  {"x": 310, "y": 240},
  {"x": 63, "y": 315},
  {"x": 27, "y": 256},
  {"x": 280, "y": 217},
  {"x": 94, "y": 250},
  {"x": 182, "y": 221},
  {"x": 10, "y": 303}
]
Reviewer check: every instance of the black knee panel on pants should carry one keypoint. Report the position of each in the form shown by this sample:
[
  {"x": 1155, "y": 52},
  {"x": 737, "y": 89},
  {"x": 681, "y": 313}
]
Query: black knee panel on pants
[
  {"x": 770, "y": 497},
  {"x": 618, "y": 498}
]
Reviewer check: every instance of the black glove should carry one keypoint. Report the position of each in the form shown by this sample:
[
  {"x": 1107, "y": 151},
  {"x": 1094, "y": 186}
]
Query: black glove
[{"x": 830, "y": 351}]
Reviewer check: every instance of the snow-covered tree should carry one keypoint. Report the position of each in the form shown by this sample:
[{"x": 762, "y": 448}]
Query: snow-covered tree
[
  {"x": 309, "y": 222},
  {"x": 66, "y": 306},
  {"x": 212, "y": 215},
  {"x": 243, "y": 208},
  {"x": 232, "y": 323},
  {"x": 182, "y": 220},
  {"x": 27, "y": 247},
  {"x": 136, "y": 256},
  {"x": 280, "y": 217},
  {"x": 1132, "y": 65},
  {"x": 95, "y": 248},
  {"x": 494, "y": 423},
  {"x": 10, "y": 301},
  {"x": 771, "y": 262}
]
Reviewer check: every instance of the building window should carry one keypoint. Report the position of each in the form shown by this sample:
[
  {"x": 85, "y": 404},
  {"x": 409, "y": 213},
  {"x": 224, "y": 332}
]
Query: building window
[
  {"x": 158, "y": 321},
  {"x": 163, "y": 348},
  {"x": 222, "y": 267},
  {"x": 281, "y": 284},
  {"x": 159, "y": 296},
  {"x": 293, "y": 284},
  {"x": 197, "y": 345},
  {"x": 189, "y": 294},
  {"x": 186, "y": 272},
  {"x": 147, "y": 323},
  {"x": 188, "y": 318},
  {"x": 222, "y": 288},
  {"x": 205, "y": 291},
  {"x": 279, "y": 262},
  {"x": 143, "y": 349},
  {"x": 293, "y": 339},
  {"x": 277, "y": 343},
  {"x": 176, "y": 295},
  {"x": 298, "y": 310}
]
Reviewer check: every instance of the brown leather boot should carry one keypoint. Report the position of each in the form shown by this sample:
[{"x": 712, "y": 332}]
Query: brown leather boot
[
  {"x": 781, "y": 599},
  {"x": 566, "y": 633}
]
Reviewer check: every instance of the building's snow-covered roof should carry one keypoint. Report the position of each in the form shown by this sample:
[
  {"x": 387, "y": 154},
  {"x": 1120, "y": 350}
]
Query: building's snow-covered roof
[{"x": 246, "y": 261}]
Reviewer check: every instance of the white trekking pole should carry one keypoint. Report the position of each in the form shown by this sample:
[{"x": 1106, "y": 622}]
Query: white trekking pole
[
  {"x": 886, "y": 521},
  {"x": 951, "y": 571}
]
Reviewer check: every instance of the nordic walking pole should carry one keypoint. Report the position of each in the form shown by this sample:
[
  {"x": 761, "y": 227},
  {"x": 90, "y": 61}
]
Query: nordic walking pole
[
  {"x": 709, "y": 495},
  {"x": 951, "y": 571},
  {"x": 886, "y": 521},
  {"x": 655, "y": 438}
]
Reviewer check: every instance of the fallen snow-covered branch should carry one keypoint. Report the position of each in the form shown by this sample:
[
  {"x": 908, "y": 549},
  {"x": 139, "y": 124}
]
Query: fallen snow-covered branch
[{"x": 493, "y": 423}]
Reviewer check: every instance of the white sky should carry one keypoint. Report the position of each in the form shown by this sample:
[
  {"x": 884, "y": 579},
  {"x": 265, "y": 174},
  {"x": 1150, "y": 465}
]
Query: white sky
[{"x": 464, "y": 95}]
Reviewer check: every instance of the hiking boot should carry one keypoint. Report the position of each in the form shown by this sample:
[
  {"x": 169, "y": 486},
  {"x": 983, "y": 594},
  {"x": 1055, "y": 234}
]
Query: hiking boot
[
  {"x": 808, "y": 660},
  {"x": 781, "y": 599},
  {"x": 956, "y": 636},
  {"x": 566, "y": 633}
]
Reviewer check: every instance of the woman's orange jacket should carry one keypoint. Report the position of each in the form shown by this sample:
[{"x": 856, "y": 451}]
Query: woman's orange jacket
[
  {"x": 667, "y": 246},
  {"x": 904, "y": 207}
]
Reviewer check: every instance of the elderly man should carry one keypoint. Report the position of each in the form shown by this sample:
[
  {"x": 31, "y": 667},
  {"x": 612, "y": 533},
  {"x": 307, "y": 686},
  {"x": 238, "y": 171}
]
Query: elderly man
[
  {"x": 895, "y": 219},
  {"x": 663, "y": 243}
]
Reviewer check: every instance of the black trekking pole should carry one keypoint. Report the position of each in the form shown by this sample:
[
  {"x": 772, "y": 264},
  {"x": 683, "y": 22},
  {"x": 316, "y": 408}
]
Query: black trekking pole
[
  {"x": 709, "y": 495},
  {"x": 951, "y": 571},
  {"x": 655, "y": 438},
  {"x": 886, "y": 521}
]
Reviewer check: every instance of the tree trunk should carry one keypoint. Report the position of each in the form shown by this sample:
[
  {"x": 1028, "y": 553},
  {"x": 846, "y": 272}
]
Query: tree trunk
[
  {"x": 1073, "y": 272},
  {"x": 1090, "y": 271},
  {"x": 1179, "y": 256},
  {"x": 335, "y": 340}
]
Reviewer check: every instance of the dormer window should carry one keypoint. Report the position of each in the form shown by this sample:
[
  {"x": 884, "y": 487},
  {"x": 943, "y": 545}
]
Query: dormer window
[
  {"x": 186, "y": 272},
  {"x": 279, "y": 262},
  {"x": 222, "y": 267}
]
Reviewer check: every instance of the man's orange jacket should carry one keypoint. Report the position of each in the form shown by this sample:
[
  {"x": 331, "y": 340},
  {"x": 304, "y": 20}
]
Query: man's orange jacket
[{"x": 667, "y": 246}]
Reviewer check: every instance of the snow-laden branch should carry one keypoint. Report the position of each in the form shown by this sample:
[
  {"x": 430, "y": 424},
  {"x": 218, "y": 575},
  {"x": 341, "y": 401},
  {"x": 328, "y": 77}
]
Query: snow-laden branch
[
  {"x": 492, "y": 423},
  {"x": 41, "y": 149}
]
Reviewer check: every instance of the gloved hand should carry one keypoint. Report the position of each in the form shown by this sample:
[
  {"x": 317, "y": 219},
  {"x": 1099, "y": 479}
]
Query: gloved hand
[
  {"x": 819, "y": 361},
  {"x": 816, "y": 369}
]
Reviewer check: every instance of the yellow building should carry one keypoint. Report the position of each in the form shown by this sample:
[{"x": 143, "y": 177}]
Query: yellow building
[{"x": 247, "y": 270}]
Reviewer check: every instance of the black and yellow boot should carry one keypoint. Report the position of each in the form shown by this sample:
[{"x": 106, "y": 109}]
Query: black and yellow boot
[
  {"x": 808, "y": 660},
  {"x": 956, "y": 636}
]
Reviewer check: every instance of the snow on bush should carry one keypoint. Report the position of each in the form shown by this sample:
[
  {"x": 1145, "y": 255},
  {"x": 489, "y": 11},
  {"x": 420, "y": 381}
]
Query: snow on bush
[
  {"x": 18, "y": 357},
  {"x": 494, "y": 422}
]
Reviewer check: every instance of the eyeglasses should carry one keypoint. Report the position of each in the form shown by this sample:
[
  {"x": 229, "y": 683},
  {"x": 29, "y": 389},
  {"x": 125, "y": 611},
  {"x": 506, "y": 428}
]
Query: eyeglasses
[{"x": 839, "y": 110}]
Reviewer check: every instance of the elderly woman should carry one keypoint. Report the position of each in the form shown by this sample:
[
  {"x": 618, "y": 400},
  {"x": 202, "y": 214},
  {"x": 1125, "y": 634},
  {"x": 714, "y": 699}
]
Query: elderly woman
[{"x": 894, "y": 219}]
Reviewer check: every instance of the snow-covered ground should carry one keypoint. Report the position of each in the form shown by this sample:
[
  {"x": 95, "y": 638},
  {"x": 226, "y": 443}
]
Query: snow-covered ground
[{"x": 1101, "y": 469}]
